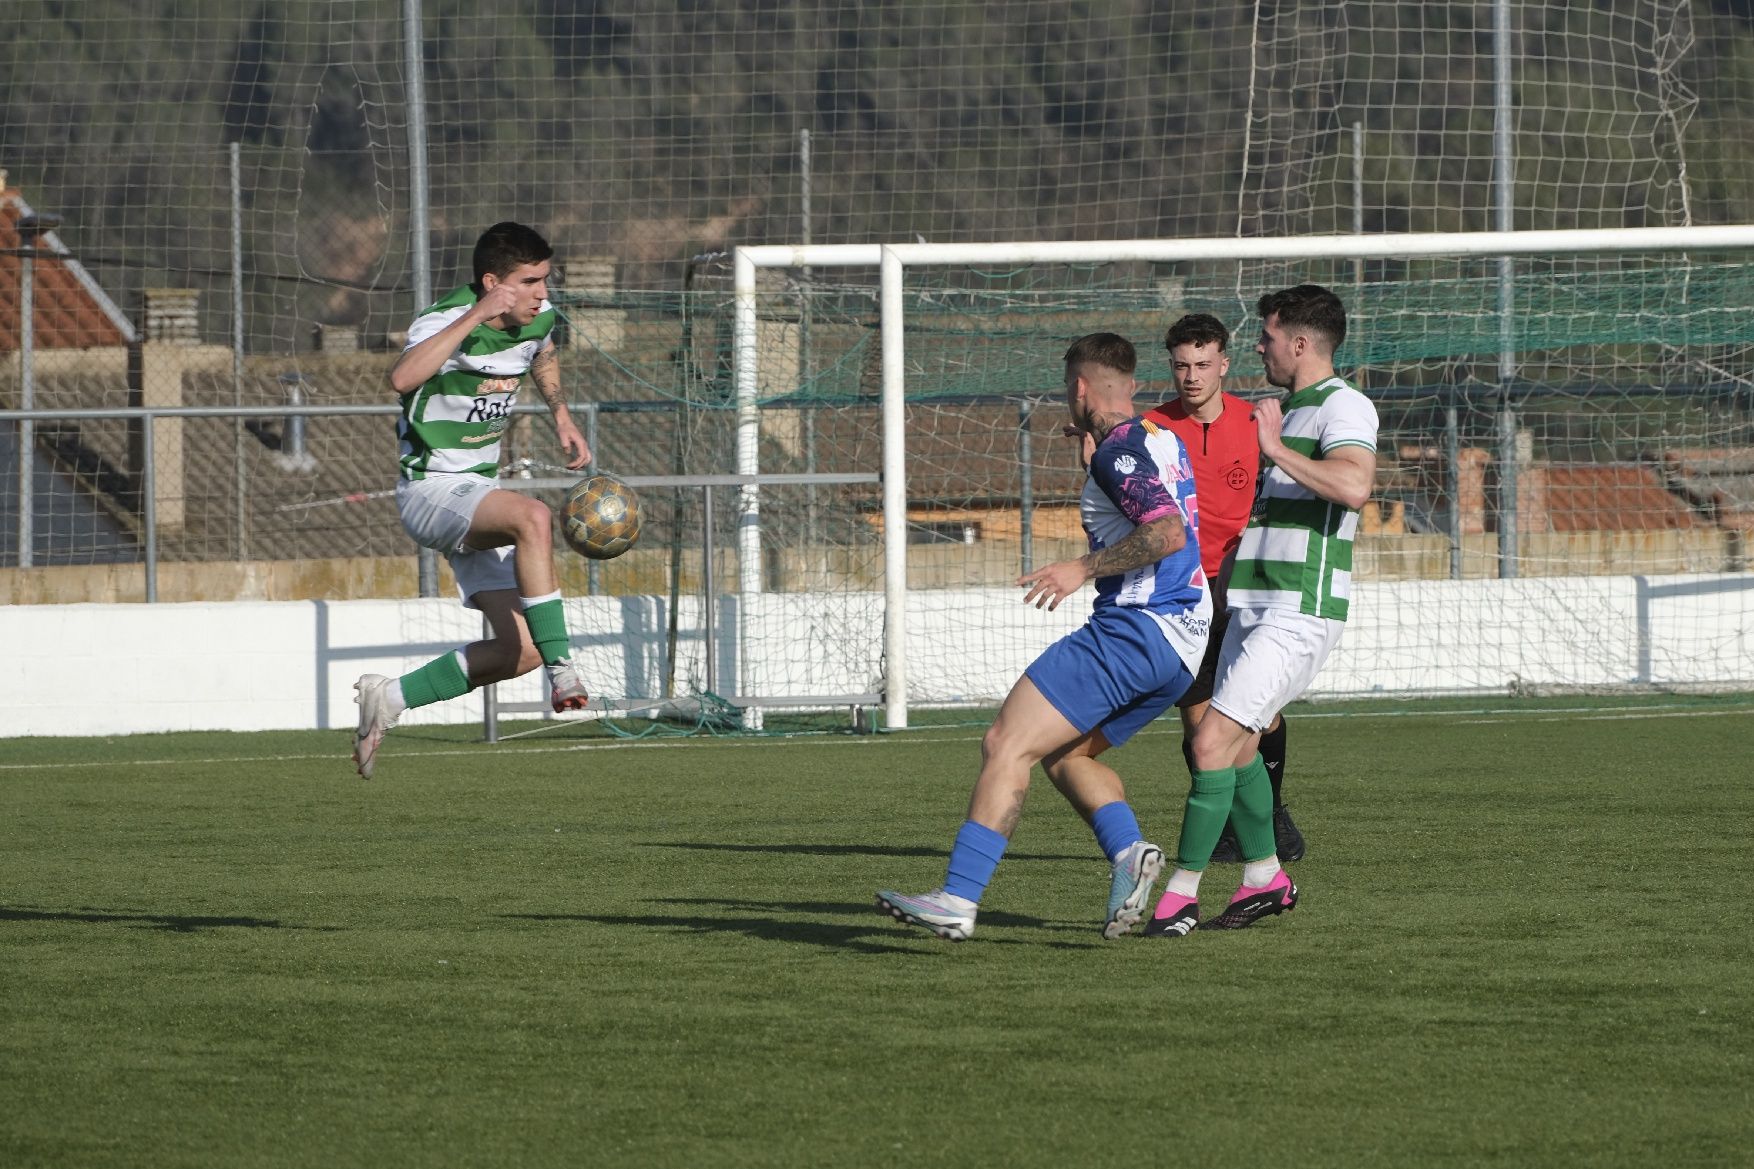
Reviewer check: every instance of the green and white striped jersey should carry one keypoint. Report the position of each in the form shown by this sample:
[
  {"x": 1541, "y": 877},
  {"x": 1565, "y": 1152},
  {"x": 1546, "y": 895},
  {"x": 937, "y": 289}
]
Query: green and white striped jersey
[
  {"x": 452, "y": 424},
  {"x": 1296, "y": 552}
]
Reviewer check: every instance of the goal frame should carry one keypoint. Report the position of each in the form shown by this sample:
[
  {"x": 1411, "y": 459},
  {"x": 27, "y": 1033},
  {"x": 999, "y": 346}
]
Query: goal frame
[{"x": 893, "y": 260}]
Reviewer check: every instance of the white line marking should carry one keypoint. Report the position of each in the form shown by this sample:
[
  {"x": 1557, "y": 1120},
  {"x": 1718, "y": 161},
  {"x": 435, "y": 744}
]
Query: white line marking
[
  {"x": 632, "y": 744},
  {"x": 921, "y": 737}
]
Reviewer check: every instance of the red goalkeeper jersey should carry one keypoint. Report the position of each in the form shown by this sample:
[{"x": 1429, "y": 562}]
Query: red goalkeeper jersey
[{"x": 1226, "y": 457}]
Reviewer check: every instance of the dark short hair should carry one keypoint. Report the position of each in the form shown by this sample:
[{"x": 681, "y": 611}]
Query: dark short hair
[
  {"x": 508, "y": 246},
  {"x": 1110, "y": 350},
  {"x": 1310, "y": 307},
  {"x": 1197, "y": 329}
]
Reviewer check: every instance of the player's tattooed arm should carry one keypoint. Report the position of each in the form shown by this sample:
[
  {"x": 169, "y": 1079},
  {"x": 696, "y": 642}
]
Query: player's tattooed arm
[
  {"x": 1147, "y": 544},
  {"x": 545, "y": 372}
]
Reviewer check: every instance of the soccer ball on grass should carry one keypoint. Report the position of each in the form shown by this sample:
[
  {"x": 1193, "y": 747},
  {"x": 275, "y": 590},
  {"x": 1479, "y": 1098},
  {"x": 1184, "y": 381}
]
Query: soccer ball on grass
[{"x": 600, "y": 518}]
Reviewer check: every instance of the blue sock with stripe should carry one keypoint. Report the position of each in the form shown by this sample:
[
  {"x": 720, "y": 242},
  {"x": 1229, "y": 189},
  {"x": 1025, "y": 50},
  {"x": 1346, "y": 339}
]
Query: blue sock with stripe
[
  {"x": 973, "y": 858},
  {"x": 1116, "y": 828}
]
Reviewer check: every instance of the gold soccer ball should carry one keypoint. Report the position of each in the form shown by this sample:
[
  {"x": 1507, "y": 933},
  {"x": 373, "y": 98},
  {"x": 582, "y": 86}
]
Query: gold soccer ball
[{"x": 600, "y": 518}]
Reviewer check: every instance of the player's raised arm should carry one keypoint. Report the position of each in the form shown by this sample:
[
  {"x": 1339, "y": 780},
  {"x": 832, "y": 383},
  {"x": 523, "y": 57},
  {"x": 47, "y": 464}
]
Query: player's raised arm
[
  {"x": 1344, "y": 475},
  {"x": 423, "y": 359}
]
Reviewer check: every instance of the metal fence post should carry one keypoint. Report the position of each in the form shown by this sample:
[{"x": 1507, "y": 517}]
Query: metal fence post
[
  {"x": 237, "y": 345},
  {"x": 1452, "y": 474},
  {"x": 26, "y": 389},
  {"x": 1026, "y": 485},
  {"x": 419, "y": 211},
  {"x": 149, "y": 504},
  {"x": 30, "y": 227},
  {"x": 707, "y": 588}
]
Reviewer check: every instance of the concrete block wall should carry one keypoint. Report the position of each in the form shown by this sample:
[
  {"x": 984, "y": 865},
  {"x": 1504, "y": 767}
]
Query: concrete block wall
[{"x": 265, "y": 665}]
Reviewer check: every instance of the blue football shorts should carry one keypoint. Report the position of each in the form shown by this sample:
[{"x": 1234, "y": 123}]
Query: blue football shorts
[{"x": 1115, "y": 673}]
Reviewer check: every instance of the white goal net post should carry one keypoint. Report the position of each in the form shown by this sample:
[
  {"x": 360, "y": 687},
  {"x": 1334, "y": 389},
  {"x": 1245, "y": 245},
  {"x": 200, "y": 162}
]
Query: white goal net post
[{"x": 1487, "y": 261}]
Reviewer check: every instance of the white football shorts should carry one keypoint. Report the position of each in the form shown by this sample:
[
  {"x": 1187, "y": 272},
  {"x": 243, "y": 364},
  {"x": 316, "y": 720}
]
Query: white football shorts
[
  {"x": 1269, "y": 658},
  {"x": 436, "y": 512}
]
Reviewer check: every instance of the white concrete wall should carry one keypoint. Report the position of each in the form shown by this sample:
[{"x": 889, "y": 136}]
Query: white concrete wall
[{"x": 123, "y": 669}]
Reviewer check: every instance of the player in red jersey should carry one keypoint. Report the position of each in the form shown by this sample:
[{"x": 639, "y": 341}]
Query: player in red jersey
[{"x": 1218, "y": 430}]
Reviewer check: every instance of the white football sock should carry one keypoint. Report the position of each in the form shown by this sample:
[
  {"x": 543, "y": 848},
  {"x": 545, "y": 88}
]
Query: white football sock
[
  {"x": 1184, "y": 883},
  {"x": 1258, "y": 873}
]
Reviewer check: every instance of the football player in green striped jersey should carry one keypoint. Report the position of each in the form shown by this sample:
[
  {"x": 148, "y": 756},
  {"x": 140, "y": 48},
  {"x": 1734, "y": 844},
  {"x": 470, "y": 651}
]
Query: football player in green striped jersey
[
  {"x": 1218, "y": 428},
  {"x": 457, "y": 380},
  {"x": 1290, "y": 590}
]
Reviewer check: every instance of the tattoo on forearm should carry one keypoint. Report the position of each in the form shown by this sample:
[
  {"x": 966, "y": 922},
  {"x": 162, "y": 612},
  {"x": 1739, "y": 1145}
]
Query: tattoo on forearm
[
  {"x": 545, "y": 372},
  {"x": 1147, "y": 544}
]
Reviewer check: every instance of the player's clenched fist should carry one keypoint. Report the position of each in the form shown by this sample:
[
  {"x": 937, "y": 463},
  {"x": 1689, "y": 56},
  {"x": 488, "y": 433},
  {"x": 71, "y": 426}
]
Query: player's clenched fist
[
  {"x": 1269, "y": 421},
  {"x": 497, "y": 301}
]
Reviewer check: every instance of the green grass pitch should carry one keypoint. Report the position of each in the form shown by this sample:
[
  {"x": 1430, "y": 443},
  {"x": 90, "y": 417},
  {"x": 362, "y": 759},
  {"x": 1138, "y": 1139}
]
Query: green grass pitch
[{"x": 1523, "y": 940}]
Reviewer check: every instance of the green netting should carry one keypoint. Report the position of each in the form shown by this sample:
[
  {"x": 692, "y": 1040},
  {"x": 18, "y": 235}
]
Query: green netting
[{"x": 1667, "y": 321}]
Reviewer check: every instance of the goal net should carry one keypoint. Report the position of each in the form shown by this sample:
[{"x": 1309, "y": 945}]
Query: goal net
[{"x": 1566, "y": 456}]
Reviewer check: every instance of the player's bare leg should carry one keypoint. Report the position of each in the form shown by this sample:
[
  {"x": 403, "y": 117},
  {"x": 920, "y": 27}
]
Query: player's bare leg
[
  {"x": 1080, "y": 776},
  {"x": 1092, "y": 787},
  {"x": 508, "y": 517},
  {"x": 508, "y": 653},
  {"x": 1027, "y": 728}
]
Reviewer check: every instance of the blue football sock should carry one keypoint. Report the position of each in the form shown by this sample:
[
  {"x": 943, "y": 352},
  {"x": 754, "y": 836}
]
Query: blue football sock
[
  {"x": 1116, "y": 828},
  {"x": 973, "y": 858}
]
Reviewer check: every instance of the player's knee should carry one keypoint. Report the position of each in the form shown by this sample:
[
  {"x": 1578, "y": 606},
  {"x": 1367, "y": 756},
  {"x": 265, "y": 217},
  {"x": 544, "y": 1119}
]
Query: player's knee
[
  {"x": 990, "y": 742},
  {"x": 535, "y": 523},
  {"x": 1205, "y": 744},
  {"x": 1002, "y": 742}
]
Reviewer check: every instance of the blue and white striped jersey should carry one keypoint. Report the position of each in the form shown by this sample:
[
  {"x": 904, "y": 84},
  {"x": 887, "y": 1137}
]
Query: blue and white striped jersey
[{"x": 1138, "y": 473}]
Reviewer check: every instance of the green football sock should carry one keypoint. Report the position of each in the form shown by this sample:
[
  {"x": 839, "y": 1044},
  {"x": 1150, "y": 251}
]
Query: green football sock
[
  {"x": 1207, "y": 809},
  {"x": 1252, "y": 813},
  {"x": 439, "y": 679},
  {"x": 547, "y": 622}
]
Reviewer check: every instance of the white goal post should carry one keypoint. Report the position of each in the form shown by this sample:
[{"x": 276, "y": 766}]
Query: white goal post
[{"x": 892, "y": 261}]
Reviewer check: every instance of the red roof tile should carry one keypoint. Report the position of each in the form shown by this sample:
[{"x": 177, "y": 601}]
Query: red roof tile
[
  {"x": 71, "y": 311},
  {"x": 1577, "y": 497}
]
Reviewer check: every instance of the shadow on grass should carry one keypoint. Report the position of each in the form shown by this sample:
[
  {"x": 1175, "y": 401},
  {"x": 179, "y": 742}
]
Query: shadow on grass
[
  {"x": 862, "y": 938},
  {"x": 159, "y": 921},
  {"x": 849, "y": 850}
]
